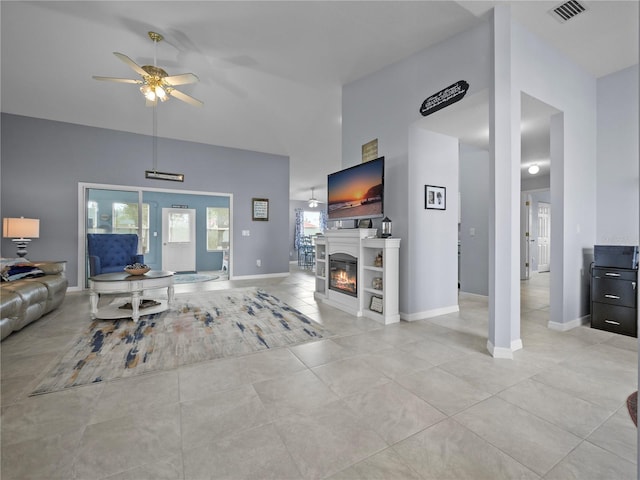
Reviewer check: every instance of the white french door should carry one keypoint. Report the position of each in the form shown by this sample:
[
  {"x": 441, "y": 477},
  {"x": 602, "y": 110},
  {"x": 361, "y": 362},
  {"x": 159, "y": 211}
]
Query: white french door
[
  {"x": 544, "y": 236},
  {"x": 179, "y": 239}
]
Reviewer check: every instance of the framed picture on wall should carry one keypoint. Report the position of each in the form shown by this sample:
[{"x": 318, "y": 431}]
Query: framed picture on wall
[
  {"x": 435, "y": 197},
  {"x": 260, "y": 209}
]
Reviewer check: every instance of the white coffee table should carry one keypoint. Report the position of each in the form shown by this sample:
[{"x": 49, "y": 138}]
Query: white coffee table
[{"x": 131, "y": 286}]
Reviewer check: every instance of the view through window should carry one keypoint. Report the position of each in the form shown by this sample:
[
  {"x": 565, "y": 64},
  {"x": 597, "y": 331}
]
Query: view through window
[
  {"x": 311, "y": 223},
  {"x": 125, "y": 220},
  {"x": 217, "y": 228}
]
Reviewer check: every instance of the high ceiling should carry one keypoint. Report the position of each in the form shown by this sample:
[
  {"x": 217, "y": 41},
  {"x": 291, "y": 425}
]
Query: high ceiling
[{"x": 270, "y": 72}]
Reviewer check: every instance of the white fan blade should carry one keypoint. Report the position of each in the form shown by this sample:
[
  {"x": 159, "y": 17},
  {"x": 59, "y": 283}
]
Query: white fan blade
[
  {"x": 136, "y": 68},
  {"x": 185, "y": 98},
  {"x": 180, "y": 79},
  {"x": 119, "y": 80}
]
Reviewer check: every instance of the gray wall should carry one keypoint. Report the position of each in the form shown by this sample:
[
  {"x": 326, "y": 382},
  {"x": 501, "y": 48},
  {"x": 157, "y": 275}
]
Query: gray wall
[
  {"x": 384, "y": 105},
  {"x": 547, "y": 75},
  {"x": 535, "y": 182},
  {"x": 474, "y": 225},
  {"x": 617, "y": 147},
  {"x": 43, "y": 161}
]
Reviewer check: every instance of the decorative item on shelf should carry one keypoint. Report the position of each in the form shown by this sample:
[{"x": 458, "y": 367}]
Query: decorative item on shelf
[
  {"x": 376, "y": 283},
  {"x": 376, "y": 304},
  {"x": 137, "y": 269},
  {"x": 386, "y": 228},
  {"x": 21, "y": 231},
  {"x": 377, "y": 262}
]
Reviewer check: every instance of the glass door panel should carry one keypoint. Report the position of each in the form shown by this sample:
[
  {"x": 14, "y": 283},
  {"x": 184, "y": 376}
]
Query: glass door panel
[{"x": 111, "y": 211}]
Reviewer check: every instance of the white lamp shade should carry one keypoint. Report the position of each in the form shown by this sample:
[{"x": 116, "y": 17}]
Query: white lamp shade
[{"x": 21, "y": 227}]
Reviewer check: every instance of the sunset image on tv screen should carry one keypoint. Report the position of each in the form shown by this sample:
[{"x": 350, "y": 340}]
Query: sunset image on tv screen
[{"x": 357, "y": 192}]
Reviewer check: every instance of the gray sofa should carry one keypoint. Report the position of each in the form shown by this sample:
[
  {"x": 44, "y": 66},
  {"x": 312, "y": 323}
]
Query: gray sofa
[{"x": 26, "y": 300}]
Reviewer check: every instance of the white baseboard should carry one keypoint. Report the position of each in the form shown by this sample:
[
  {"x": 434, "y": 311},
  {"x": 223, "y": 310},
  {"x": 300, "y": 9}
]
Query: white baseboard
[
  {"x": 256, "y": 277},
  {"x": 471, "y": 294},
  {"x": 502, "y": 352},
  {"x": 436, "y": 312},
  {"x": 563, "y": 327}
]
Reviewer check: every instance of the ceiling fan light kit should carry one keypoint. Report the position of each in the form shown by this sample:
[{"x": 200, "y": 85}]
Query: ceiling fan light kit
[
  {"x": 313, "y": 202},
  {"x": 156, "y": 83}
]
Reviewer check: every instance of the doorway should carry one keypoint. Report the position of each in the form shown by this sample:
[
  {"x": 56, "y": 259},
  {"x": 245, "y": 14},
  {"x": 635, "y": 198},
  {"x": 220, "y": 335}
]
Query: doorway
[
  {"x": 126, "y": 209},
  {"x": 179, "y": 239}
]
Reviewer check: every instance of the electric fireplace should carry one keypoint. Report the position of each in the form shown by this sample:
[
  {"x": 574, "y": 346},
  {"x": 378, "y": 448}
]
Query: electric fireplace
[{"x": 343, "y": 274}]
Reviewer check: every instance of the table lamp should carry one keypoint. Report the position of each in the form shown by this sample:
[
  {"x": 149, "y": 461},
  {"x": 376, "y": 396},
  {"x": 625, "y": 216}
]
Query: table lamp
[{"x": 21, "y": 231}]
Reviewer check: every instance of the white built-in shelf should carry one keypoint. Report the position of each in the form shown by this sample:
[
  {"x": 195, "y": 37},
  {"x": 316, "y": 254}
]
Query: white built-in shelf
[{"x": 362, "y": 244}]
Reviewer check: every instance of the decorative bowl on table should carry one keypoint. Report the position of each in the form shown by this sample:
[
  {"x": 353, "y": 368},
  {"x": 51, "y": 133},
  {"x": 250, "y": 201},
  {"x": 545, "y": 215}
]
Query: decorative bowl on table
[{"x": 137, "y": 269}]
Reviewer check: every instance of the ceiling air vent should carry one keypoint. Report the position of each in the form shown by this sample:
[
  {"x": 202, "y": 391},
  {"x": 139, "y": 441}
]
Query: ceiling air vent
[{"x": 567, "y": 10}]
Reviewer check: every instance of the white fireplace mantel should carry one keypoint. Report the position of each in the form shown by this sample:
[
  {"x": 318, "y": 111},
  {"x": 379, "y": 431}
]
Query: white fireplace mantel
[{"x": 362, "y": 244}]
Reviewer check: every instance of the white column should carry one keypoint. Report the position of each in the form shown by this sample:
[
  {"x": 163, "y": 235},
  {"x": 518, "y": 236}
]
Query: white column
[{"x": 504, "y": 210}]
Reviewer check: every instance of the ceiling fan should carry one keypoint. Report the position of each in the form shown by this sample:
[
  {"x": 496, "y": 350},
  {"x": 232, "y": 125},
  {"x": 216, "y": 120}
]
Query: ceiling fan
[
  {"x": 156, "y": 83},
  {"x": 313, "y": 201}
]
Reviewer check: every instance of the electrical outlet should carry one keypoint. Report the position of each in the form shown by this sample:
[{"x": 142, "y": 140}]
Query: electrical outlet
[{"x": 258, "y": 263}]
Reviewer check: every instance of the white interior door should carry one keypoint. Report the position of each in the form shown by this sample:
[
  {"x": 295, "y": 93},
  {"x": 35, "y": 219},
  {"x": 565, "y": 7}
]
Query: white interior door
[
  {"x": 179, "y": 239},
  {"x": 525, "y": 236},
  {"x": 544, "y": 236}
]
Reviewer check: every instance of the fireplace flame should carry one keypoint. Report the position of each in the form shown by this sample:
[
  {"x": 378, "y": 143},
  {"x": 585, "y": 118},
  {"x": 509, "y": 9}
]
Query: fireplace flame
[{"x": 342, "y": 280}]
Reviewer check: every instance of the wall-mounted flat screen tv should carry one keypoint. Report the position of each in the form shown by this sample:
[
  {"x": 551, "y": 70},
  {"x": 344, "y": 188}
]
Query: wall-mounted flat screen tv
[{"x": 357, "y": 192}]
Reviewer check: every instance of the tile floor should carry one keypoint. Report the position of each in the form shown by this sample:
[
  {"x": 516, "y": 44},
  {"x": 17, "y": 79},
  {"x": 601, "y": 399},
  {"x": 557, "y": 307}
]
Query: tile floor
[{"x": 420, "y": 400}]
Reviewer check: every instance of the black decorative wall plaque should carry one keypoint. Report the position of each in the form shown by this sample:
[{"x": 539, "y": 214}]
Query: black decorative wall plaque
[{"x": 444, "y": 98}]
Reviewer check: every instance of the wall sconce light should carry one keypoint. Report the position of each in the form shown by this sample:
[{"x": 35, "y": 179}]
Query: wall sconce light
[{"x": 21, "y": 230}]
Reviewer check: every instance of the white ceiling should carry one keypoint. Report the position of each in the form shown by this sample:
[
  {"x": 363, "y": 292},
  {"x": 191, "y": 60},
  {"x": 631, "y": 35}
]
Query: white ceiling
[{"x": 270, "y": 72}]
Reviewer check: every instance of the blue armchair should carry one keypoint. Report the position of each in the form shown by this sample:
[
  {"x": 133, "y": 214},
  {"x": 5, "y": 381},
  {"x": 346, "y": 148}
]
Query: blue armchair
[{"x": 111, "y": 252}]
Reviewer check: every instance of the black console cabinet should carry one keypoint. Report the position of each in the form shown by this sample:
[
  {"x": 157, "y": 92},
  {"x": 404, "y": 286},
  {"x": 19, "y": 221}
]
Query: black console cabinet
[{"x": 614, "y": 300}]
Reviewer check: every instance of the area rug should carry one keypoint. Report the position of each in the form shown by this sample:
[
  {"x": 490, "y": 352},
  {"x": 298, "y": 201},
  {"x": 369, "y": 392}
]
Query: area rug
[
  {"x": 632, "y": 406},
  {"x": 179, "y": 278},
  {"x": 197, "y": 327}
]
